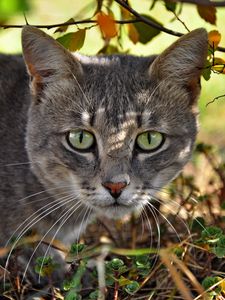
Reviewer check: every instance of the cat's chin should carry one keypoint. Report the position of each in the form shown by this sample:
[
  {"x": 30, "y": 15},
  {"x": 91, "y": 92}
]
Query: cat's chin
[{"x": 116, "y": 211}]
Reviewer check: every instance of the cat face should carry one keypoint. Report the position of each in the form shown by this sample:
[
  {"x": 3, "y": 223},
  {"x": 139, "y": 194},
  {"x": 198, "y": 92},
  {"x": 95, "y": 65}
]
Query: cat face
[{"x": 111, "y": 130}]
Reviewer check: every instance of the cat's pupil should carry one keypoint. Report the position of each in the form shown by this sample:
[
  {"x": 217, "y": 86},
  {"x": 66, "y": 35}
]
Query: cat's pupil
[
  {"x": 81, "y": 136},
  {"x": 149, "y": 138}
]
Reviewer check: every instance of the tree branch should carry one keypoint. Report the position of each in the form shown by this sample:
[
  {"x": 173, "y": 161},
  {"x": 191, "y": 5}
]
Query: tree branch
[
  {"x": 86, "y": 21},
  {"x": 139, "y": 18},
  {"x": 157, "y": 26},
  {"x": 147, "y": 21},
  {"x": 202, "y": 2}
]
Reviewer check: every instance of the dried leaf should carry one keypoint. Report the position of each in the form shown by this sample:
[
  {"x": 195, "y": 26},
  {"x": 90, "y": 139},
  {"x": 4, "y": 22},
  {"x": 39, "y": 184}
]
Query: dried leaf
[
  {"x": 214, "y": 38},
  {"x": 219, "y": 65},
  {"x": 73, "y": 40},
  {"x": 133, "y": 33},
  {"x": 208, "y": 13},
  {"x": 125, "y": 13},
  {"x": 107, "y": 25},
  {"x": 146, "y": 32}
]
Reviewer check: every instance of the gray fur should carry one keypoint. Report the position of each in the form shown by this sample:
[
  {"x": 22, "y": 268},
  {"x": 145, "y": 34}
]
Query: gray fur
[{"x": 115, "y": 97}]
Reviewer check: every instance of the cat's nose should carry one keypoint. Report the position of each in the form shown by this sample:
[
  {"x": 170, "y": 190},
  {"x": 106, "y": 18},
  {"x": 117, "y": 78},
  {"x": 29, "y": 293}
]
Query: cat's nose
[{"x": 115, "y": 188}]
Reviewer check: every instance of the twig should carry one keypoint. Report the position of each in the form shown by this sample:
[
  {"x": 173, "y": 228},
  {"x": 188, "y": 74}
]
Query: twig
[
  {"x": 70, "y": 23},
  {"x": 147, "y": 21},
  {"x": 214, "y": 99},
  {"x": 202, "y": 2},
  {"x": 179, "y": 19}
]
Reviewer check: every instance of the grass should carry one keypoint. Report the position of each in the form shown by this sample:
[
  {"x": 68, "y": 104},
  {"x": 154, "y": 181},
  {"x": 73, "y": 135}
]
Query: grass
[{"x": 174, "y": 250}]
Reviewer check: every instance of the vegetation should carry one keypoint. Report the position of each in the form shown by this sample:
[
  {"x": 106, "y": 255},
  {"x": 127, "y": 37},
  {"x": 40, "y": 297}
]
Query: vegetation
[{"x": 176, "y": 249}]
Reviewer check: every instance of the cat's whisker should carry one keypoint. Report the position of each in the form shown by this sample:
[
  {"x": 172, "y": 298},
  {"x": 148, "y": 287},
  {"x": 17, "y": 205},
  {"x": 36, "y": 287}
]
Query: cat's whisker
[
  {"x": 49, "y": 197},
  {"x": 179, "y": 206},
  {"x": 44, "y": 191},
  {"x": 20, "y": 164},
  {"x": 155, "y": 217},
  {"x": 161, "y": 83},
  {"x": 65, "y": 219},
  {"x": 158, "y": 230},
  {"x": 88, "y": 210},
  {"x": 31, "y": 224},
  {"x": 44, "y": 212},
  {"x": 149, "y": 225},
  {"x": 162, "y": 215},
  {"x": 80, "y": 88},
  {"x": 43, "y": 237},
  {"x": 142, "y": 222}
]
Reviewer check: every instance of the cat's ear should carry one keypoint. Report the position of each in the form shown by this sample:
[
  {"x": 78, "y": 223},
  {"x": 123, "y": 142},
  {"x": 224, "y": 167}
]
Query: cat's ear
[
  {"x": 47, "y": 61},
  {"x": 183, "y": 62}
]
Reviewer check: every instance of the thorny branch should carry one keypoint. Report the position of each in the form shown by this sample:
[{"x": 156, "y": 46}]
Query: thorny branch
[{"x": 139, "y": 18}]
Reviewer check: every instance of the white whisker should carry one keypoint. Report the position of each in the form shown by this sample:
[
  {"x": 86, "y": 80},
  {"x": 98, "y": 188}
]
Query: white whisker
[{"x": 39, "y": 243}]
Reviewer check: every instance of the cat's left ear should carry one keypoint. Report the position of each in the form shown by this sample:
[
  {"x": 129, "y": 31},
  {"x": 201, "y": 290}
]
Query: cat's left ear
[
  {"x": 47, "y": 61},
  {"x": 183, "y": 62}
]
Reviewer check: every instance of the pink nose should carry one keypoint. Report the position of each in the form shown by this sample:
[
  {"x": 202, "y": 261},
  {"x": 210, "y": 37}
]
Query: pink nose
[{"x": 115, "y": 188}]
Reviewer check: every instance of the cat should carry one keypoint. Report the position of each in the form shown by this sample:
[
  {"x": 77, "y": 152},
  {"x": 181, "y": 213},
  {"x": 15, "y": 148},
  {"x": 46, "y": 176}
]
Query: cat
[{"x": 87, "y": 136}]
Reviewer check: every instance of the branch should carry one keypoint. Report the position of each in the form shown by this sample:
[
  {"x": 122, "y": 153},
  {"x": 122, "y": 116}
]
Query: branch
[
  {"x": 202, "y": 2},
  {"x": 147, "y": 21},
  {"x": 86, "y": 21},
  {"x": 157, "y": 26}
]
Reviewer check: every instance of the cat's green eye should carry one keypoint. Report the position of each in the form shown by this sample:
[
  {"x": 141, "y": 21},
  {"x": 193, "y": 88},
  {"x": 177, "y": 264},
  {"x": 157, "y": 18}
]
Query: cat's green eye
[
  {"x": 80, "y": 139},
  {"x": 150, "y": 140}
]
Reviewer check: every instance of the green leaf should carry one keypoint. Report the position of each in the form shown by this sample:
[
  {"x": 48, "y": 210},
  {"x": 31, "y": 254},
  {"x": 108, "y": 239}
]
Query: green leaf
[
  {"x": 74, "y": 40},
  {"x": 76, "y": 248},
  {"x": 210, "y": 281},
  {"x": 73, "y": 296},
  {"x": 145, "y": 31},
  {"x": 132, "y": 287},
  {"x": 219, "y": 249},
  {"x": 212, "y": 234},
  {"x": 44, "y": 266},
  {"x": 171, "y": 6},
  {"x": 109, "y": 49},
  {"x": 206, "y": 73},
  {"x": 93, "y": 295},
  {"x": 116, "y": 264}
]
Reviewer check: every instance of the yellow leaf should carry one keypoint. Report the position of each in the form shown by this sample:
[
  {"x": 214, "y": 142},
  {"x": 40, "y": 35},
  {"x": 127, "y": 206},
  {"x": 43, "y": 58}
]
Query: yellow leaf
[
  {"x": 107, "y": 25},
  {"x": 125, "y": 13},
  {"x": 223, "y": 285},
  {"x": 208, "y": 13},
  {"x": 133, "y": 33},
  {"x": 219, "y": 65},
  {"x": 214, "y": 38}
]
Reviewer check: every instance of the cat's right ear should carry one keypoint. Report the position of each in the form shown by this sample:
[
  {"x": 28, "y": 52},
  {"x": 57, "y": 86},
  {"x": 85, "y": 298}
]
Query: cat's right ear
[{"x": 47, "y": 61}]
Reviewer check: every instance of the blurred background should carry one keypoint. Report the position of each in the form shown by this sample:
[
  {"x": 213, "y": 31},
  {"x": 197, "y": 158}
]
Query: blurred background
[{"x": 42, "y": 12}]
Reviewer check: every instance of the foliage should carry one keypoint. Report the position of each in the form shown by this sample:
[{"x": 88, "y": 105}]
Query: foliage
[{"x": 191, "y": 219}]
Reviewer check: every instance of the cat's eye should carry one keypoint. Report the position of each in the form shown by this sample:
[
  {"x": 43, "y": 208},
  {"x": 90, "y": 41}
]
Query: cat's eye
[
  {"x": 150, "y": 140},
  {"x": 80, "y": 139}
]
